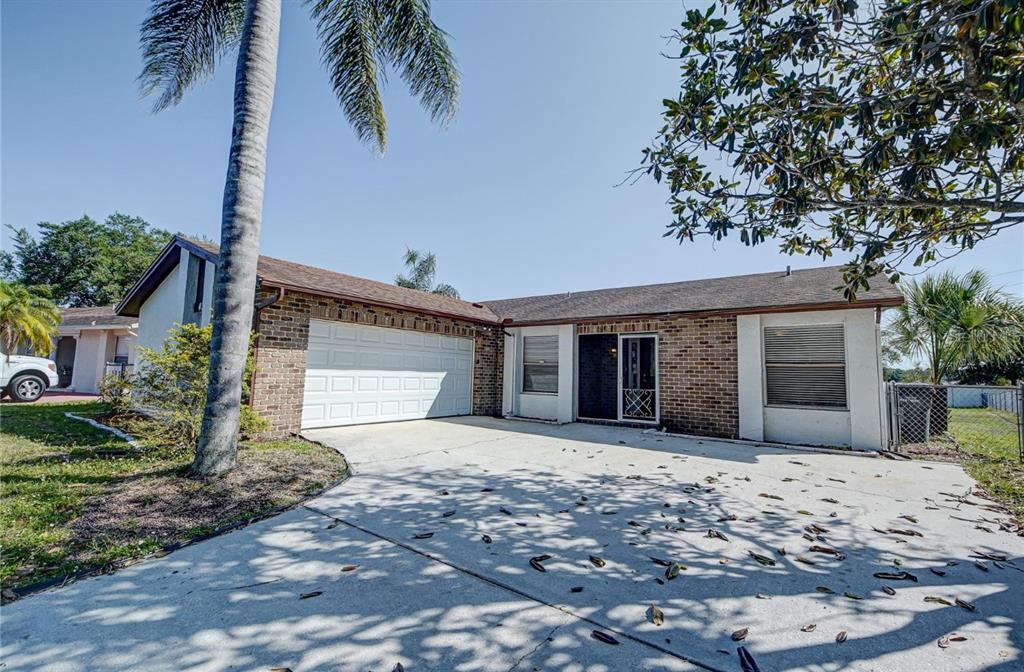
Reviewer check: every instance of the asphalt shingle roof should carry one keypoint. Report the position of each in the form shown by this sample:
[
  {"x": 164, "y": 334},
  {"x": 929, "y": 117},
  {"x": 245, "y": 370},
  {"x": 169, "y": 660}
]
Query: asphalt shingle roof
[
  {"x": 743, "y": 293},
  {"x": 93, "y": 316},
  {"x": 320, "y": 281}
]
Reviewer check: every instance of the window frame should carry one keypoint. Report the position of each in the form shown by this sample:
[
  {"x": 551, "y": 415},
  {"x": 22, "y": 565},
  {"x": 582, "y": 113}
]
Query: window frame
[
  {"x": 845, "y": 408},
  {"x": 523, "y": 364}
]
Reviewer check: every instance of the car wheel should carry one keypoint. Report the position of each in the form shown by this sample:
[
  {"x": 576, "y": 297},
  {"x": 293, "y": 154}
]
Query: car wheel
[{"x": 26, "y": 387}]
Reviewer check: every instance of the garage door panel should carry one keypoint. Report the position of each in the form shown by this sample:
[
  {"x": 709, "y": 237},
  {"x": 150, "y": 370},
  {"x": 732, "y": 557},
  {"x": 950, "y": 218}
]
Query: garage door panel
[{"x": 359, "y": 374}]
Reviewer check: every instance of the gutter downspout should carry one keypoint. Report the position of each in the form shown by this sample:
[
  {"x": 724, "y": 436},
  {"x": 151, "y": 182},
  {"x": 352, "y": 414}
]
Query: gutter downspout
[
  {"x": 257, "y": 311},
  {"x": 512, "y": 382}
]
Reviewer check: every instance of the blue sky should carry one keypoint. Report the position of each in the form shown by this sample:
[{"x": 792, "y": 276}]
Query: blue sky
[{"x": 516, "y": 197}]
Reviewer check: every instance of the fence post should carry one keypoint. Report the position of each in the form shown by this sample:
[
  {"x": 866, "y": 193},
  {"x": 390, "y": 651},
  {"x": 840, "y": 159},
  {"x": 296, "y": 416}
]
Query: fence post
[{"x": 1020, "y": 419}]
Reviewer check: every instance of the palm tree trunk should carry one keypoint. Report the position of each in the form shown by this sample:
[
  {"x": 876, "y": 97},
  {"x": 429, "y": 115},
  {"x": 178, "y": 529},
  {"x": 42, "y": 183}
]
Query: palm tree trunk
[{"x": 235, "y": 284}]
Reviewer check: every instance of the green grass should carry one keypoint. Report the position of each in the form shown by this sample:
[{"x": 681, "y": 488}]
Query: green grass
[
  {"x": 54, "y": 469},
  {"x": 989, "y": 437}
]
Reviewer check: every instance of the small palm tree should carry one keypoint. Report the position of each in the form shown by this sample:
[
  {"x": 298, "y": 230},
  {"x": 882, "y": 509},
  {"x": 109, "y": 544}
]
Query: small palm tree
[
  {"x": 952, "y": 321},
  {"x": 27, "y": 318},
  {"x": 422, "y": 269},
  {"x": 182, "y": 41}
]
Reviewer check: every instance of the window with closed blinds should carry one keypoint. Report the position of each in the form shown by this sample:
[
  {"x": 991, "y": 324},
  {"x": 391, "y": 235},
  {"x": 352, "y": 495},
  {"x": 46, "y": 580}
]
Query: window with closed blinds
[
  {"x": 805, "y": 365},
  {"x": 540, "y": 364}
]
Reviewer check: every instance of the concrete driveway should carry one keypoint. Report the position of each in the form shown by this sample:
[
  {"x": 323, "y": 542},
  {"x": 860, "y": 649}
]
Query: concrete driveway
[{"x": 430, "y": 592}]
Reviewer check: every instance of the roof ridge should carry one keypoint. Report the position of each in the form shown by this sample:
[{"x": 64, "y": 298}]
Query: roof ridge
[{"x": 570, "y": 293}]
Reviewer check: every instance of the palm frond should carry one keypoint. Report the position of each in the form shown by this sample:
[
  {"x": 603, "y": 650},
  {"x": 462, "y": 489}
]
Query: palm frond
[
  {"x": 349, "y": 47},
  {"x": 27, "y": 317},
  {"x": 444, "y": 289},
  {"x": 182, "y": 41},
  {"x": 419, "y": 50}
]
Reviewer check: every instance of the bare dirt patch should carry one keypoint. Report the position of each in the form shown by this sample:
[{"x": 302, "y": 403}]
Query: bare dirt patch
[{"x": 166, "y": 505}]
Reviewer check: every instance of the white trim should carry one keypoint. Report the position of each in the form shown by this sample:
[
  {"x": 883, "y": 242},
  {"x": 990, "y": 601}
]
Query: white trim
[{"x": 856, "y": 452}]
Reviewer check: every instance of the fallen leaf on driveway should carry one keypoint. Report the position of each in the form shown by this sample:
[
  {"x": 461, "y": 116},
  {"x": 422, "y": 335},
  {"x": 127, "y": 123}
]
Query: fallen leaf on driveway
[
  {"x": 965, "y": 605},
  {"x": 852, "y": 596},
  {"x": 906, "y": 533},
  {"x": 841, "y": 637},
  {"x": 576, "y": 589},
  {"x": 747, "y": 662},
  {"x": 423, "y": 535},
  {"x": 740, "y": 635},
  {"x": 597, "y": 561},
  {"x": 660, "y": 561},
  {"x": 938, "y": 600},
  {"x": 895, "y": 576},
  {"x": 673, "y": 570},
  {"x": 768, "y": 496},
  {"x": 825, "y": 589},
  {"x": 656, "y": 616},
  {"x": 809, "y": 627},
  {"x": 315, "y": 593},
  {"x": 485, "y": 538},
  {"x": 715, "y": 534},
  {"x": 350, "y": 568},
  {"x": 952, "y": 637},
  {"x": 448, "y": 514},
  {"x": 604, "y": 637},
  {"x": 762, "y": 559},
  {"x": 888, "y": 590},
  {"x": 535, "y": 563}
]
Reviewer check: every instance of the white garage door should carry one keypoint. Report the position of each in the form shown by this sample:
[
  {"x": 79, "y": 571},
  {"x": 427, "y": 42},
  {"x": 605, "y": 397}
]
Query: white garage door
[{"x": 357, "y": 374}]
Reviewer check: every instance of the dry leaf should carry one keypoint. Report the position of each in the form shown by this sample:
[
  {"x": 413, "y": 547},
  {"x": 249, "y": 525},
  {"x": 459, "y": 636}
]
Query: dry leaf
[
  {"x": 938, "y": 600},
  {"x": 715, "y": 534},
  {"x": 841, "y": 637},
  {"x": 762, "y": 559},
  {"x": 315, "y": 593},
  {"x": 659, "y": 561},
  {"x": 825, "y": 589},
  {"x": 806, "y": 561},
  {"x": 423, "y": 535},
  {"x": 350, "y": 568},
  {"x": 672, "y": 571},
  {"x": 767, "y": 496},
  {"x": 852, "y": 596},
  {"x": 965, "y": 605},
  {"x": 597, "y": 561},
  {"x": 657, "y": 616},
  {"x": 604, "y": 637},
  {"x": 535, "y": 563},
  {"x": 485, "y": 538},
  {"x": 740, "y": 634},
  {"x": 895, "y": 576},
  {"x": 888, "y": 590},
  {"x": 448, "y": 514},
  {"x": 576, "y": 589},
  {"x": 809, "y": 627},
  {"x": 747, "y": 662}
]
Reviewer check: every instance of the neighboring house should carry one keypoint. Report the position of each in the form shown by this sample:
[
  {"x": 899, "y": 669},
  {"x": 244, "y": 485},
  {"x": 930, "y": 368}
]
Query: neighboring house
[
  {"x": 93, "y": 342},
  {"x": 768, "y": 357}
]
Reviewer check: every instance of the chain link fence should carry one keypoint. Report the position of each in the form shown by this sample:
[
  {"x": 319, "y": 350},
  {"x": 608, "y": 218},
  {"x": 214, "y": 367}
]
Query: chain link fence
[{"x": 976, "y": 418}]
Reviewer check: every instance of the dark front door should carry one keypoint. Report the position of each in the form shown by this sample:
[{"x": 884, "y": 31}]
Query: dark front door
[{"x": 598, "y": 376}]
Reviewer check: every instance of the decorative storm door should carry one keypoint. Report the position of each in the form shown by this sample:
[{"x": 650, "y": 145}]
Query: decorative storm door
[{"x": 639, "y": 382}]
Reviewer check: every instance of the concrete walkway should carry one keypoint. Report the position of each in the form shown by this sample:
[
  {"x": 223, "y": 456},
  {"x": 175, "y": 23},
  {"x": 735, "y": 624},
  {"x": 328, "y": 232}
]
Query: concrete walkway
[{"x": 430, "y": 592}]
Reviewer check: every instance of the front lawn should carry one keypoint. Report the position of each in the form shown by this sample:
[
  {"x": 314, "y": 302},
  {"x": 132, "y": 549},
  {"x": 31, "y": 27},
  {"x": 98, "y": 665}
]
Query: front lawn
[
  {"x": 74, "y": 498},
  {"x": 988, "y": 439}
]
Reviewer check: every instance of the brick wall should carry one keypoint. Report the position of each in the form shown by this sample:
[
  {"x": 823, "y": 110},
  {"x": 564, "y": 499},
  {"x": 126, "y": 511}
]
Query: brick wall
[
  {"x": 283, "y": 332},
  {"x": 697, "y": 371}
]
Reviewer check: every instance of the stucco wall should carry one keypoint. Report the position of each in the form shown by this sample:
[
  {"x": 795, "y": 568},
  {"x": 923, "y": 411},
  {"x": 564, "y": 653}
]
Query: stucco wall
[
  {"x": 860, "y": 425},
  {"x": 536, "y": 405}
]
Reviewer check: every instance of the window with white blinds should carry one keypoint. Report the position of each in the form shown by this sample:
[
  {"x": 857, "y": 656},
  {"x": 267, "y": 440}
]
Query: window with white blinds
[
  {"x": 805, "y": 365},
  {"x": 540, "y": 364}
]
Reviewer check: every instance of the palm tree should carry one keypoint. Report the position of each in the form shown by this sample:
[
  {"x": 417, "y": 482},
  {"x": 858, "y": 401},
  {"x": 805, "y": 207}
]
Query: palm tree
[
  {"x": 27, "y": 317},
  {"x": 422, "y": 269},
  {"x": 952, "y": 321},
  {"x": 182, "y": 41}
]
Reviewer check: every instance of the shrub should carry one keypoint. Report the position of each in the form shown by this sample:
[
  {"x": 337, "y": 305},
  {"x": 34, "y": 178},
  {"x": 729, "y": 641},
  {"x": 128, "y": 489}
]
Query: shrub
[
  {"x": 171, "y": 384},
  {"x": 116, "y": 390}
]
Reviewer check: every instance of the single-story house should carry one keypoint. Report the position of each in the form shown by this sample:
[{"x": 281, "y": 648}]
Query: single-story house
[
  {"x": 768, "y": 357},
  {"x": 91, "y": 343}
]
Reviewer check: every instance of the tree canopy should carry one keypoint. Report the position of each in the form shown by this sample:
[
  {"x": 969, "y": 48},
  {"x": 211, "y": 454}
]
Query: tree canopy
[
  {"x": 84, "y": 262},
  {"x": 888, "y": 130},
  {"x": 422, "y": 267},
  {"x": 957, "y": 321},
  {"x": 27, "y": 318}
]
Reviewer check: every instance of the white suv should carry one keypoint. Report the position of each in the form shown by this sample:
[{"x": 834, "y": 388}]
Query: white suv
[{"x": 25, "y": 378}]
